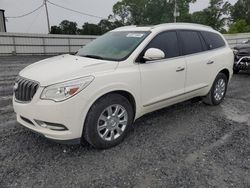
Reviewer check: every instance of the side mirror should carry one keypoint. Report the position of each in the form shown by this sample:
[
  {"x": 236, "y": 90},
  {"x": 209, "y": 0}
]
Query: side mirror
[{"x": 153, "y": 54}]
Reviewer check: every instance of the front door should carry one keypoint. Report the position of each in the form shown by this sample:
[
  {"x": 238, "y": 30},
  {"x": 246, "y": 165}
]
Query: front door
[{"x": 163, "y": 79}]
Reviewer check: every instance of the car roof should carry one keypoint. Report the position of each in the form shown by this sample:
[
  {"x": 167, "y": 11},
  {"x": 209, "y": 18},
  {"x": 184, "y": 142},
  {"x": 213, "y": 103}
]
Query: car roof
[{"x": 167, "y": 26}]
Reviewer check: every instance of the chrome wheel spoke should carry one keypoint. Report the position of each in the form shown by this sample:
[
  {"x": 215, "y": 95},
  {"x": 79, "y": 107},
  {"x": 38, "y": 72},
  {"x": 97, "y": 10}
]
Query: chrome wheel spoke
[
  {"x": 123, "y": 122},
  {"x": 112, "y": 122},
  {"x": 109, "y": 110},
  {"x": 103, "y": 118},
  {"x": 106, "y": 134},
  {"x": 101, "y": 127},
  {"x": 220, "y": 89},
  {"x": 112, "y": 135},
  {"x": 119, "y": 130},
  {"x": 122, "y": 114},
  {"x": 117, "y": 109}
]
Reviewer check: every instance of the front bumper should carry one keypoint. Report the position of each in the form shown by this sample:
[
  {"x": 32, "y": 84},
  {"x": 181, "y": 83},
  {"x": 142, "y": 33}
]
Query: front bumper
[
  {"x": 242, "y": 63},
  {"x": 69, "y": 113},
  {"x": 239, "y": 55}
]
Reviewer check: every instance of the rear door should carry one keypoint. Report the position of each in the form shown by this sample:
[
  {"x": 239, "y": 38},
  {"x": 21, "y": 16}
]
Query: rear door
[{"x": 199, "y": 63}]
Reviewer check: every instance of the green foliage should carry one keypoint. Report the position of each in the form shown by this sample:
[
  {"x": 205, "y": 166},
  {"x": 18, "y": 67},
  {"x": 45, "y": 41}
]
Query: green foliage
[
  {"x": 217, "y": 15},
  {"x": 106, "y": 25},
  {"x": 65, "y": 27},
  {"x": 55, "y": 30},
  {"x": 240, "y": 26},
  {"x": 90, "y": 29},
  {"x": 147, "y": 12},
  {"x": 68, "y": 27},
  {"x": 241, "y": 11}
]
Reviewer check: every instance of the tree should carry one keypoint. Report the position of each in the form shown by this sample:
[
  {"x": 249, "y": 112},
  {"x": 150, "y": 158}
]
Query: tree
[
  {"x": 241, "y": 11},
  {"x": 106, "y": 25},
  {"x": 145, "y": 12},
  {"x": 55, "y": 30},
  {"x": 65, "y": 27},
  {"x": 217, "y": 15},
  {"x": 239, "y": 26},
  {"x": 90, "y": 29},
  {"x": 69, "y": 27}
]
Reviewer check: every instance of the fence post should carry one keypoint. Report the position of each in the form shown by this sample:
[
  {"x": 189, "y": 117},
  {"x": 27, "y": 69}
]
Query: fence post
[
  {"x": 69, "y": 45},
  {"x": 14, "y": 52},
  {"x": 44, "y": 47}
]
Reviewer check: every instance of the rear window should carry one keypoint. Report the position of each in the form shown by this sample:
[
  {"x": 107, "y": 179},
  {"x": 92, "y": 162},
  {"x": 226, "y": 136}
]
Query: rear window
[
  {"x": 213, "y": 40},
  {"x": 191, "y": 42}
]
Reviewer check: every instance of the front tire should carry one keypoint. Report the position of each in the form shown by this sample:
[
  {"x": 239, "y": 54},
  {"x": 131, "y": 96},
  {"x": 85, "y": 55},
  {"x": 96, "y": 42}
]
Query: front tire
[
  {"x": 108, "y": 121},
  {"x": 218, "y": 91}
]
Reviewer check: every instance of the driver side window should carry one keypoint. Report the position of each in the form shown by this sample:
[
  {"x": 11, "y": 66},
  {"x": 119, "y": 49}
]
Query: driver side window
[{"x": 165, "y": 41}]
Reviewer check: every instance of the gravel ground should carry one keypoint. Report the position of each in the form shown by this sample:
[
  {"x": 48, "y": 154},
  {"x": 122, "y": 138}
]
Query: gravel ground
[{"x": 185, "y": 145}]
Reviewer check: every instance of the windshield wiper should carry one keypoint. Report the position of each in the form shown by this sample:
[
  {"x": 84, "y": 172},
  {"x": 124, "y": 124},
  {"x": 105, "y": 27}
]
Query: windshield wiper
[{"x": 93, "y": 56}]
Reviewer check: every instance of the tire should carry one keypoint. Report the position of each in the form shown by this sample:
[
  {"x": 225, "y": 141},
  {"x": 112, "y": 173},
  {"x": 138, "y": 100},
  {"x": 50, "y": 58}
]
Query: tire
[
  {"x": 212, "y": 98},
  {"x": 96, "y": 127}
]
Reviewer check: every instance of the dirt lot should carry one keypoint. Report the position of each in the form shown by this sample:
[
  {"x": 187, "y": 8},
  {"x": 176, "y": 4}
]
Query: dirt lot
[{"x": 186, "y": 145}]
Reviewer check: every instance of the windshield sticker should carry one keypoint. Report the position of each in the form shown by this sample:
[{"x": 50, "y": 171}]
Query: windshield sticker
[{"x": 135, "y": 35}]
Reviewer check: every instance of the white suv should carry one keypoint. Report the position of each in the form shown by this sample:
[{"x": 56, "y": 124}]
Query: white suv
[{"x": 98, "y": 93}]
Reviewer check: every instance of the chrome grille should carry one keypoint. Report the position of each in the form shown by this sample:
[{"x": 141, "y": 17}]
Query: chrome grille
[
  {"x": 25, "y": 89},
  {"x": 243, "y": 54}
]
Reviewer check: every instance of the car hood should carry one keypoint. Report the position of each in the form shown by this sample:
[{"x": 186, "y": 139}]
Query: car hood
[
  {"x": 242, "y": 46},
  {"x": 65, "y": 67}
]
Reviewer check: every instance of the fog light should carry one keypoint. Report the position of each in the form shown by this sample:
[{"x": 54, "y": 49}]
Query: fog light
[{"x": 51, "y": 126}]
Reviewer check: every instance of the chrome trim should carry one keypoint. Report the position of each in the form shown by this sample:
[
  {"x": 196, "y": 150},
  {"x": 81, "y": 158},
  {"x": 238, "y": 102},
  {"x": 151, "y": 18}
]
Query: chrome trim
[
  {"x": 162, "y": 100},
  {"x": 25, "y": 102},
  {"x": 238, "y": 62}
]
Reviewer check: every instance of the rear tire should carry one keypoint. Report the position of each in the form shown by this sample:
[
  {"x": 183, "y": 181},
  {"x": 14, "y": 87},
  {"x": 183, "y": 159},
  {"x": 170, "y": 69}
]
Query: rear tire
[
  {"x": 218, "y": 91},
  {"x": 108, "y": 121}
]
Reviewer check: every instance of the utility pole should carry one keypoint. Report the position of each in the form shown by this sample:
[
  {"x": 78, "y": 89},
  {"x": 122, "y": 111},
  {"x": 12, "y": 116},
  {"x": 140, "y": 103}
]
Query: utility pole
[
  {"x": 175, "y": 11},
  {"x": 47, "y": 14}
]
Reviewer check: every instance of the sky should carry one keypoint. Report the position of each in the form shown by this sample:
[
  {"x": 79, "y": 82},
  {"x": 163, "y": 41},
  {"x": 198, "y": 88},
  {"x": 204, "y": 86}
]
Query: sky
[{"x": 36, "y": 22}]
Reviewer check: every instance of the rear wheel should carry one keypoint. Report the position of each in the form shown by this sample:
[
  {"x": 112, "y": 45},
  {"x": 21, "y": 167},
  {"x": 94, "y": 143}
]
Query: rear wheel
[
  {"x": 108, "y": 121},
  {"x": 218, "y": 91}
]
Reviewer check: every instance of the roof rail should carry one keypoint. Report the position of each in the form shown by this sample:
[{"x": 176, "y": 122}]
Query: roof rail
[
  {"x": 126, "y": 27},
  {"x": 183, "y": 23}
]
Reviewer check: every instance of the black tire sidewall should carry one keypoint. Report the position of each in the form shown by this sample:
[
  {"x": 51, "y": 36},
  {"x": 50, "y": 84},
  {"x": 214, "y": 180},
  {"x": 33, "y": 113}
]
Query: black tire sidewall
[
  {"x": 90, "y": 126},
  {"x": 219, "y": 76}
]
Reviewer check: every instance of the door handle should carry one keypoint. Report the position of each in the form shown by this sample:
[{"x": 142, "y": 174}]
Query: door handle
[
  {"x": 179, "y": 69},
  {"x": 210, "y": 62}
]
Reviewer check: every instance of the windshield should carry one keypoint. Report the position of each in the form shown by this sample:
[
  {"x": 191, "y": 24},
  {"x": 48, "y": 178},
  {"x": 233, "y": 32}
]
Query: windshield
[{"x": 117, "y": 45}]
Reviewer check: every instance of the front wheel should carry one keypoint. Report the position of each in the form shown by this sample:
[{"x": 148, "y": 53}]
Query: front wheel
[
  {"x": 218, "y": 91},
  {"x": 108, "y": 121}
]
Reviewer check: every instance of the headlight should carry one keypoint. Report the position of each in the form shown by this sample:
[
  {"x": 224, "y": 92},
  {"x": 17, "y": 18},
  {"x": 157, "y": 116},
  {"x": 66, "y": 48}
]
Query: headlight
[{"x": 62, "y": 91}]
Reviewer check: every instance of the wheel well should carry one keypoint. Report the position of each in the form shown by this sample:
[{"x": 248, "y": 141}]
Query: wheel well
[
  {"x": 226, "y": 72},
  {"x": 128, "y": 96}
]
